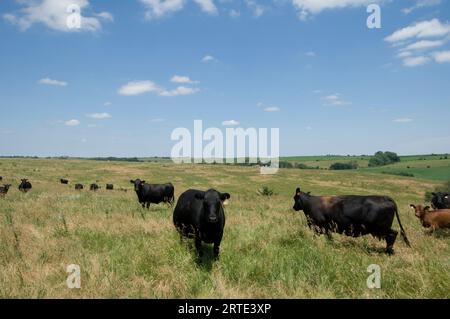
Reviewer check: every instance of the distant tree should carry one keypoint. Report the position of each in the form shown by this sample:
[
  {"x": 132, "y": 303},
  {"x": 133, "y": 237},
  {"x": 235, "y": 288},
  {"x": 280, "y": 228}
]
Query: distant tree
[
  {"x": 383, "y": 158},
  {"x": 342, "y": 166}
]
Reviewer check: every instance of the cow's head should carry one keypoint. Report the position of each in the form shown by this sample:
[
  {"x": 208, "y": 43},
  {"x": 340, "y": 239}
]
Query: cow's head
[
  {"x": 7, "y": 186},
  {"x": 420, "y": 210},
  {"x": 24, "y": 180},
  {"x": 137, "y": 184},
  {"x": 298, "y": 201},
  {"x": 212, "y": 204},
  {"x": 439, "y": 200}
]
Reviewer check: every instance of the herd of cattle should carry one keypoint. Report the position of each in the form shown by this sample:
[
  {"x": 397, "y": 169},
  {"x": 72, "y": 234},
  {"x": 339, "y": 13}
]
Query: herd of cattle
[{"x": 200, "y": 214}]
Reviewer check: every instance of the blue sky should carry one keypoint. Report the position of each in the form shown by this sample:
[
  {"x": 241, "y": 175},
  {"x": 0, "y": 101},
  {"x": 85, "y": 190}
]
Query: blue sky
[{"x": 138, "y": 69}]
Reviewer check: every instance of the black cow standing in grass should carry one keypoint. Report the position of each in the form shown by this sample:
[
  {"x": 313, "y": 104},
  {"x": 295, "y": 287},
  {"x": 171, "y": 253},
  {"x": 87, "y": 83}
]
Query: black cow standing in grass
[
  {"x": 109, "y": 187},
  {"x": 4, "y": 190},
  {"x": 351, "y": 215},
  {"x": 200, "y": 215},
  {"x": 25, "y": 185},
  {"x": 153, "y": 193},
  {"x": 64, "y": 181},
  {"x": 94, "y": 187},
  {"x": 78, "y": 186},
  {"x": 440, "y": 200}
]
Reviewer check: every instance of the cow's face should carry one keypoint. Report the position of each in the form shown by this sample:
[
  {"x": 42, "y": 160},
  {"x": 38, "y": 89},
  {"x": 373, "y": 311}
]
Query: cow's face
[
  {"x": 212, "y": 204},
  {"x": 137, "y": 184},
  {"x": 298, "y": 203},
  {"x": 420, "y": 211}
]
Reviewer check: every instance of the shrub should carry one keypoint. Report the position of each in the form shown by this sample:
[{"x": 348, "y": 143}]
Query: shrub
[
  {"x": 265, "y": 191},
  {"x": 383, "y": 158},
  {"x": 342, "y": 166}
]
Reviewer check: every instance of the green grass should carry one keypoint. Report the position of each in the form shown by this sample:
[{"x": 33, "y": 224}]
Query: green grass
[{"x": 267, "y": 250}]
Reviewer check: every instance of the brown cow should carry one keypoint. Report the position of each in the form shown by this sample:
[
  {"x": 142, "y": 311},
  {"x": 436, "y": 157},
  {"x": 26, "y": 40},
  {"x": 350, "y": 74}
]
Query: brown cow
[{"x": 435, "y": 219}]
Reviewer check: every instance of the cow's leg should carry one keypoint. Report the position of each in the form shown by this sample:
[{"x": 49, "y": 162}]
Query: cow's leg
[
  {"x": 390, "y": 240},
  {"x": 198, "y": 244},
  {"x": 216, "y": 250},
  {"x": 148, "y": 205},
  {"x": 328, "y": 234}
]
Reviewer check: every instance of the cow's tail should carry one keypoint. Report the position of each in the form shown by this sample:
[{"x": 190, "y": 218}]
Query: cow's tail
[{"x": 402, "y": 231}]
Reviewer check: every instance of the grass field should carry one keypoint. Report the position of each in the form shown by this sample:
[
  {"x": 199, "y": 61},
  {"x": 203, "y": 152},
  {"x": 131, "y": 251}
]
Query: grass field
[{"x": 267, "y": 250}]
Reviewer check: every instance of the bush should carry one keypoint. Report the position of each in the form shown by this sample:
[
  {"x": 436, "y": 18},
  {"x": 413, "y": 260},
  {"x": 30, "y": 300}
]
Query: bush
[
  {"x": 342, "y": 166},
  {"x": 399, "y": 174},
  {"x": 383, "y": 158},
  {"x": 265, "y": 191}
]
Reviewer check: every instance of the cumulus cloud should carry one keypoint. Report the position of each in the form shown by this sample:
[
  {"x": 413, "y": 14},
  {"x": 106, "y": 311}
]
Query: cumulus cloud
[
  {"x": 159, "y": 8},
  {"x": 334, "y": 100},
  {"x": 182, "y": 80},
  {"x": 141, "y": 87},
  {"x": 48, "y": 81},
  {"x": 423, "y": 29},
  {"x": 256, "y": 9},
  {"x": 424, "y": 44},
  {"x": 416, "y": 61},
  {"x": 306, "y": 8},
  {"x": 441, "y": 56},
  {"x": 230, "y": 123},
  {"x": 54, "y": 14},
  {"x": 99, "y": 116},
  {"x": 403, "y": 120},
  {"x": 207, "y": 6},
  {"x": 272, "y": 109},
  {"x": 209, "y": 58},
  {"x": 421, "y": 4},
  {"x": 72, "y": 122}
]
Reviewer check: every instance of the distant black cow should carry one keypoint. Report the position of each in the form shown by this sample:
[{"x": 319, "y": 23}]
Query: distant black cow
[
  {"x": 109, "y": 186},
  {"x": 440, "y": 200},
  {"x": 78, "y": 186},
  {"x": 4, "y": 190},
  {"x": 25, "y": 185},
  {"x": 64, "y": 181},
  {"x": 1, "y": 178},
  {"x": 351, "y": 215},
  {"x": 153, "y": 193},
  {"x": 94, "y": 187},
  {"x": 200, "y": 215}
]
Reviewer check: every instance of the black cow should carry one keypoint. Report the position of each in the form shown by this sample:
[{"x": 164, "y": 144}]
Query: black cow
[
  {"x": 64, "y": 181},
  {"x": 440, "y": 200},
  {"x": 351, "y": 215},
  {"x": 94, "y": 187},
  {"x": 78, "y": 186},
  {"x": 25, "y": 185},
  {"x": 4, "y": 190},
  {"x": 109, "y": 186},
  {"x": 200, "y": 215},
  {"x": 153, "y": 193},
  {"x": 1, "y": 178}
]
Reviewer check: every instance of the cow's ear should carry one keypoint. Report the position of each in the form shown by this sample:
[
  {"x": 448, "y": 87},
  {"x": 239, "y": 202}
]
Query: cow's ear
[
  {"x": 434, "y": 194},
  {"x": 142, "y": 182},
  {"x": 224, "y": 196},
  {"x": 412, "y": 206},
  {"x": 200, "y": 196},
  {"x": 297, "y": 190},
  {"x": 131, "y": 181}
]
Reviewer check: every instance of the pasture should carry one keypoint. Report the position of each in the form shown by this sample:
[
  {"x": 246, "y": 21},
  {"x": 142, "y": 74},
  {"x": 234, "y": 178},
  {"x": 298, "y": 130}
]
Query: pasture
[{"x": 267, "y": 251}]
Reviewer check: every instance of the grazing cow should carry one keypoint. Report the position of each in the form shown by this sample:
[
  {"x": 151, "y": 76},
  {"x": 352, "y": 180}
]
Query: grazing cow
[
  {"x": 1, "y": 178},
  {"x": 351, "y": 215},
  {"x": 440, "y": 200},
  {"x": 200, "y": 215},
  {"x": 4, "y": 190},
  {"x": 153, "y": 193},
  {"x": 94, "y": 187},
  {"x": 109, "y": 186},
  {"x": 64, "y": 181},
  {"x": 436, "y": 219},
  {"x": 78, "y": 186},
  {"x": 25, "y": 185}
]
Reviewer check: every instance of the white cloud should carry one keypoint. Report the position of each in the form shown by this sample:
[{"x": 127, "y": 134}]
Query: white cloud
[
  {"x": 423, "y": 29},
  {"x": 423, "y": 45},
  {"x": 48, "y": 81},
  {"x": 209, "y": 58},
  {"x": 182, "y": 80},
  {"x": 421, "y": 4},
  {"x": 404, "y": 54},
  {"x": 307, "y": 8},
  {"x": 99, "y": 116},
  {"x": 234, "y": 13},
  {"x": 160, "y": 8},
  {"x": 54, "y": 14},
  {"x": 403, "y": 120},
  {"x": 416, "y": 61},
  {"x": 138, "y": 87},
  {"x": 441, "y": 56},
  {"x": 72, "y": 122},
  {"x": 272, "y": 109},
  {"x": 107, "y": 103},
  {"x": 207, "y": 6},
  {"x": 334, "y": 100},
  {"x": 256, "y": 9},
  {"x": 181, "y": 90},
  {"x": 230, "y": 123}
]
